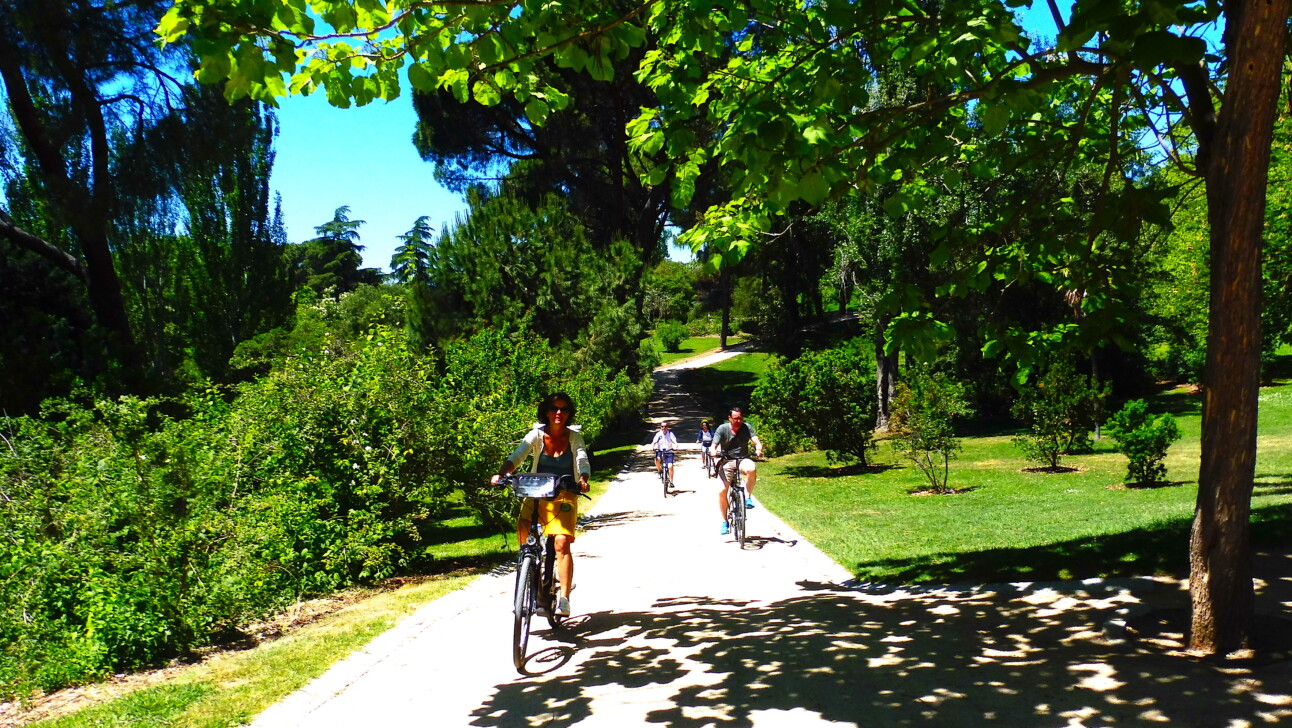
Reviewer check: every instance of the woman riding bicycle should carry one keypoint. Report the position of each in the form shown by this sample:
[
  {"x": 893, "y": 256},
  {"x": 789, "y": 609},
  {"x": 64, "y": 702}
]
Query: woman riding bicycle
[
  {"x": 556, "y": 446},
  {"x": 705, "y": 438}
]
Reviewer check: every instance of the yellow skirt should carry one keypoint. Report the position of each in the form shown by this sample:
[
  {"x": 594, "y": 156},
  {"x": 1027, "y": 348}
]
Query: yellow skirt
[{"x": 558, "y": 515}]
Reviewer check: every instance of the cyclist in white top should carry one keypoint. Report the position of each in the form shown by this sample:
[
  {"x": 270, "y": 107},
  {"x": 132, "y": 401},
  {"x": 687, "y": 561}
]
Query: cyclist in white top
[{"x": 664, "y": 444}]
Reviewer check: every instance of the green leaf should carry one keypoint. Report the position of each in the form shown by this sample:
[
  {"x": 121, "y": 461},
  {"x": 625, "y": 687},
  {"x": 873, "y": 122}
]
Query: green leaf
[
  {"x": 814, "y": 189},
  {"x": 172, "y": 27},
  {"x": 537, "y": 111},
  {"x": 632, "y": 35},
  {"x": 485, "y": 94},
  {"x": 215, "y": 68},
  {"x": 1164, "y": 47},
  {"x": 420, "y": 78},
  {"x": 816, "y": 134},
  {"x": 898, "y": 205},
  {"x": 994, "y": 118}
]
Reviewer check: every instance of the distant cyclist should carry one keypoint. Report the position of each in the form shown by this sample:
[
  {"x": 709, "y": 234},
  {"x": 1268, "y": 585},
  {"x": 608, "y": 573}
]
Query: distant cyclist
[
  {"x": 705, "y": 437},
  {"x": 665, "y": 446},
  {"x": 731, "y": 442}
]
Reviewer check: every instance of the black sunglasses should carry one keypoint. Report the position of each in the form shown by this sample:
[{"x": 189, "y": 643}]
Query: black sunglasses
[{"x": 560, "y": 409}]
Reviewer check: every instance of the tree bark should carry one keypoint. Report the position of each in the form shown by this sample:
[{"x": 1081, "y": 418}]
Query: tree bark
[
  {"x": 885, "y": 375},
  {"x": 43, "y": 248},
  {"x": 724, "y": 283},
  {"x": 1236, "y": 161}
]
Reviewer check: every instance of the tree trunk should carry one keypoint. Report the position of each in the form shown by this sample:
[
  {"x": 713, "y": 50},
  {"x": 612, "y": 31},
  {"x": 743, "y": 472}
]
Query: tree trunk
[
  {"x": 724, "y": 283},
  {"x": 885, "y": 375},
  {"x": 1236, "y": 164}
]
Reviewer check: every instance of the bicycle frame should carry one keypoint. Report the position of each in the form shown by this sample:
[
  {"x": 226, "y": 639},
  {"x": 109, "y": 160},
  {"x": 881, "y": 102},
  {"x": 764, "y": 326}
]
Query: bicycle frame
[
  {"x": 664, "y": 466},
  {"x": 735, "y": 498},
  {"x": 535, "y": 574}
]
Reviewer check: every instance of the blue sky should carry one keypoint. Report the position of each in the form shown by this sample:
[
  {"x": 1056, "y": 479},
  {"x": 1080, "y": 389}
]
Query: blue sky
[{"x": 364, "y": 157}]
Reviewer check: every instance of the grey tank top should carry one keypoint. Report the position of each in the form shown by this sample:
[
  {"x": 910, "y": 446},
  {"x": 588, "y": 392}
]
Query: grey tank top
[{"x": 561, "y": 465}]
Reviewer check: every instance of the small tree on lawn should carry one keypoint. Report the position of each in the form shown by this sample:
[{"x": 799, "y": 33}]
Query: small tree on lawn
[
  {"x": 671, "y": 334},
  {"x": 839, "y": 401},
  {"x": 1144, "y": 439},
  {"x": 823, "y": 398},
  {"x": 1061, "y": 408},
  {"x": 920, "y": 425}
]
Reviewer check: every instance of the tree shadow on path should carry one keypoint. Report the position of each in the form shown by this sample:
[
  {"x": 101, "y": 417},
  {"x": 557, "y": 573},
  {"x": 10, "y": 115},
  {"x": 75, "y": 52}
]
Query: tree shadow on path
[{"x": 884, "y": 656}]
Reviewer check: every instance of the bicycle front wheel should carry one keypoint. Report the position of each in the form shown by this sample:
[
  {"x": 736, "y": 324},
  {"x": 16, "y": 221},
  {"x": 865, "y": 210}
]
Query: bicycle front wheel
[
  {"x": 523, "y": 609},
  {"x": 738, "y": 516}
]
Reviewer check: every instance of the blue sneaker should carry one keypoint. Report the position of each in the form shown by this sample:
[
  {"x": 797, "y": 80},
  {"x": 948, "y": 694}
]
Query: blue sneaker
[
  {"x": 726, "y": 528},
  {"x": 749, "y": 503}
]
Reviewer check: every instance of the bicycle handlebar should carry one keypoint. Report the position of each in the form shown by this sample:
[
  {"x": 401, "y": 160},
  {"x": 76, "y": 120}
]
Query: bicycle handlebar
[{"x": 541, "y": 485}]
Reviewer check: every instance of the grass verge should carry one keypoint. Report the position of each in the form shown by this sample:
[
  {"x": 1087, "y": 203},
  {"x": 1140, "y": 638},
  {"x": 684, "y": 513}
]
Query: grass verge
[{"x": 230, "y": 688}]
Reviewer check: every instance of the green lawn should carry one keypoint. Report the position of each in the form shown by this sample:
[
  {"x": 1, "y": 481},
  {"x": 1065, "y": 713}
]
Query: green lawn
[
  {"x": 695, "y": 346},
  {"x": 1010, "y": 524},
  {"x": 725, "y": 384}
]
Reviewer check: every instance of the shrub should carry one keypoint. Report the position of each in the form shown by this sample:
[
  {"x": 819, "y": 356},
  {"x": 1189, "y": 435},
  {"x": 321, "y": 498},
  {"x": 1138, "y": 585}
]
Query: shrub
[
  {"x": 920, "y": 426},
  {"x": 671, "y": 334},
  {"x": 1061, "y": 409},
  {"x": 823, "y": 398},
  {"x": 138, "y": 529},
  {"x": 1144, "y": 439}
]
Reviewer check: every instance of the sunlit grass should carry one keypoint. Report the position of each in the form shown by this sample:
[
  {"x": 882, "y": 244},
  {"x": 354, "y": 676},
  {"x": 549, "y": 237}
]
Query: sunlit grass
[
  {"x": 696, "y": 346},
  {"x": 729, "y": 383},
  {"x": 1010, "y": 523}
]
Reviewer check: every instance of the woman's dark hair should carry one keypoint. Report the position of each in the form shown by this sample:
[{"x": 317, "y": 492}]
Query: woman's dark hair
[{"x": 549, "y": 400}]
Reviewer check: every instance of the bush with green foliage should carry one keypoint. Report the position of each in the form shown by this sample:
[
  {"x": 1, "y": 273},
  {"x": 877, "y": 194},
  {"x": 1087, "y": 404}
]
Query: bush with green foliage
[
  {"x": 1144, "y": 439},
  {"x": 138, "y": 529},
  {"x": 921, "y": 423},
  {"x": 1061, "y": 408},
  {"x": 668, "y": 291},
  {"x": 671, "y": 334},
  {"x": 823, "y": 398}
]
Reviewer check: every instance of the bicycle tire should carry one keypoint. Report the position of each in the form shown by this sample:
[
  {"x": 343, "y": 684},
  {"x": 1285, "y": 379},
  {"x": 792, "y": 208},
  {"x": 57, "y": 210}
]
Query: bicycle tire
[
  {"x": 523, "y": 610},
  {"x": 738, "y": 517},
  {"x": 549, "y": 585}
]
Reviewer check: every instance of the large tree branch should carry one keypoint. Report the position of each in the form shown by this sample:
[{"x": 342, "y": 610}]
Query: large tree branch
[
  {"x": 1201, "y": 111},
  {"x": 43, "y": 248}
]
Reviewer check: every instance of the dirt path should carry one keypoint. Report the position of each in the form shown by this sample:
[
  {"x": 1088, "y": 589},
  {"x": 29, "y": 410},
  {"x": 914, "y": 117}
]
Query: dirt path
[{"x": 675, "y": 625}]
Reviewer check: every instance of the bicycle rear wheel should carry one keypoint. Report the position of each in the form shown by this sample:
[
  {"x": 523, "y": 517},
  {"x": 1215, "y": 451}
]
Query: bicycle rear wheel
[
  {"x": 550, "y": 587},
  {"x": 523, "y": 609}
]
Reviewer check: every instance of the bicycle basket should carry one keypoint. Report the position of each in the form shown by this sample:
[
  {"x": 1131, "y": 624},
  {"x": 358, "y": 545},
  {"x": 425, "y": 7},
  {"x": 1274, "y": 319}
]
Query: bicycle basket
[{"x": 534, "y": 485}]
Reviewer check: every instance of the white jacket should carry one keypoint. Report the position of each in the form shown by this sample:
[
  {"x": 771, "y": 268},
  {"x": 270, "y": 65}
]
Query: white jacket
[{"x": 532, "y": 447}]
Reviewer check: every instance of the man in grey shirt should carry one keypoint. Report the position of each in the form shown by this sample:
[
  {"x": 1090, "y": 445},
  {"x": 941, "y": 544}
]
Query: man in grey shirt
[{"x": 731, "y": 443}]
